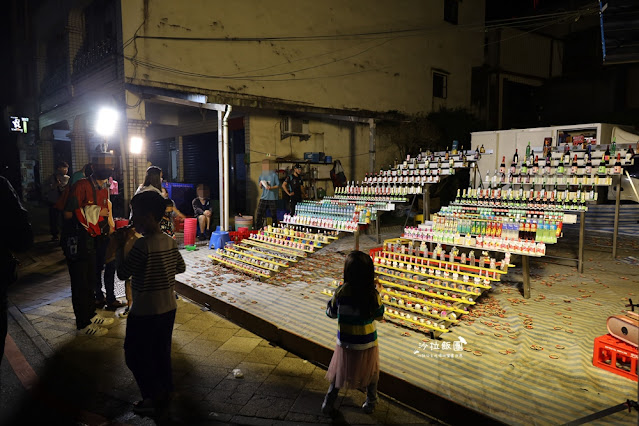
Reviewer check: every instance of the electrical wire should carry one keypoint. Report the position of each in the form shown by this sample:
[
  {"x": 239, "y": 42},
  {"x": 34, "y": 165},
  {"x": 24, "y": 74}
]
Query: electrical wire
[
  {"x": 545, "y": 20},
  {"x": 509, "y": 22}
]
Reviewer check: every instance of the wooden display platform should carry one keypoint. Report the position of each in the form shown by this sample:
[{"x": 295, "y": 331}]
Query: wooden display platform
[{"x": 503, "y": 373}]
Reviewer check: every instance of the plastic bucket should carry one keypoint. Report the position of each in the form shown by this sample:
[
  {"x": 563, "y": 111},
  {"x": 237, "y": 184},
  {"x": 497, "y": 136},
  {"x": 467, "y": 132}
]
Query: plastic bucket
[
  {"x": 243, "y": 222},
  {"x": 190, "y": 230}
]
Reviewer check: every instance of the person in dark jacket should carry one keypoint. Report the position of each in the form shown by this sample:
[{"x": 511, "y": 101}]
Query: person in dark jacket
[
  {"x": 15, "y": 238},
  {"x": 202, "y": 210}
]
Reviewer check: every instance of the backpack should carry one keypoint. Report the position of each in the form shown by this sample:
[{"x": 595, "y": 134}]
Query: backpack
[{"x": 337, "y": 174}]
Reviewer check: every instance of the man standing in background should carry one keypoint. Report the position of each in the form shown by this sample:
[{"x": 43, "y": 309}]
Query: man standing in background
[
  {"x": 294, "y": 188},
  {"x": 54, "y": 187},
  {"x": 269, "y": 182}
]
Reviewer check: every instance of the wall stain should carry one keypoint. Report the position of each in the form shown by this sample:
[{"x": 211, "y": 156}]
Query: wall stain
[{"x": 237, "y": 89}]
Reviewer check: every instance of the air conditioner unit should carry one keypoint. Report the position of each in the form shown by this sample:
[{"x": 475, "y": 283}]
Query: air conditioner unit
[{"x": 292, "y": 126}]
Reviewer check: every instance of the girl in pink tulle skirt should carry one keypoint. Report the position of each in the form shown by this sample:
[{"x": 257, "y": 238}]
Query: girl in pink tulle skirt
[{"x": 356, "y": 305}]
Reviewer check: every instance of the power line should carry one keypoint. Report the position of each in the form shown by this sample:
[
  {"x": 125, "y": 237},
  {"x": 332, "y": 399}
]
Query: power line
[
  {"x": 545, "y": 21},
  {"x": 499, "y": 23},
  {"x": 252, "y": 77}
]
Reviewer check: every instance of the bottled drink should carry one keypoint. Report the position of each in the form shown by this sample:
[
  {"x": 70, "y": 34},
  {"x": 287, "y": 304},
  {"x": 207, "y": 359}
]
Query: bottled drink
[
  {"x": 548, "y": 164},
  {"x": 629, "y": 153},
  {"x": 560, "y": 167},
  {"x": 502, "y": 166},
  {"x": 528, "y": 150},
  {"x": 516, "y": 157},
  {"x": 482, "y": 150},
  {"x": 513, "y": 165},
  {"x": 607, "y": 154},
  {"x": 524, "y": 167},
  {"x": 602, "y": 164},
  {"x": 589, "y": 165},
  {"x": 535, "y": 168},
  {"x": 613, "y": 147},
  {"x": 575, "y": 166},
  {"x": 617, "y": 169}
]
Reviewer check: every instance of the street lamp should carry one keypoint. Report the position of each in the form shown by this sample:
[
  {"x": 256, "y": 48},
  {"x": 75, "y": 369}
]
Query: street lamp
[
  {"x": 136, "y": 144},
  {"x": 105, "y": 124}
]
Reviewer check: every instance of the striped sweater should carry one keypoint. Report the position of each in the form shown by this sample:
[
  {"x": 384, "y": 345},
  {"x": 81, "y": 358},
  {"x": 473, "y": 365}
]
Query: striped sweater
[
  {"x": 152, "y": 263},
  {"x": 354, "y": 332}
]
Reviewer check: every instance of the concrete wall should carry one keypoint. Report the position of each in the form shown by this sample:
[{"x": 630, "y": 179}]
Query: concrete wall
[
  {"x": 345, "y": 141},
  {"x": 382, "y": 72}
]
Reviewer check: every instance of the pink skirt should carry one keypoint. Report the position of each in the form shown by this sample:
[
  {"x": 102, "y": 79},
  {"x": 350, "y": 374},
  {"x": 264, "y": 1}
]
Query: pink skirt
[{"x": 353, "y": 369}]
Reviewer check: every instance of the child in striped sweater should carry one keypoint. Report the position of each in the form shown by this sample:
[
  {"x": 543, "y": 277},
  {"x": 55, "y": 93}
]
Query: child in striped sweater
[
  {"x": 356, "y": 305},
  {"x": 152, "y": 263}
]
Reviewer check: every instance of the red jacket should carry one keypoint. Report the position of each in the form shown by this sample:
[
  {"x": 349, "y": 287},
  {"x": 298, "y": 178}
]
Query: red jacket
[{"x": 85, "y": 193}]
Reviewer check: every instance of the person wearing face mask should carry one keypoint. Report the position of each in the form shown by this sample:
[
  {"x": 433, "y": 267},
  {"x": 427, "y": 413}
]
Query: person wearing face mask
[
  {"x": 86, "y": 220},
  {"x": 202, "y": 211}
]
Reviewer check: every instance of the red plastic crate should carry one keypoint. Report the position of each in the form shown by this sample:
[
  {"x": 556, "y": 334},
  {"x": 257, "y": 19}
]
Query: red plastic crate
[
  {"x": 235, "y": 236},
  {"x": 616, "y": 356},
  {"x": 372, "y": 252}
]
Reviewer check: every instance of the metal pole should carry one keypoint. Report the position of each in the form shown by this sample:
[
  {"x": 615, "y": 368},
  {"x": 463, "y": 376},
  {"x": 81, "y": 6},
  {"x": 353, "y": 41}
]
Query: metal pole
[
  {"x": 582, "y": 226},
  {"x": 356, "y": 233},
  {"x": 426, "y": 203},
  {"x": 526, "y": 271},
  {"x": 616, "y": 230},
  {"x": 225, "y": 127},
  {"x": 220, "y": 165},
  {"x": 371, "y": 145},
  {"x": 379, "y": 236}
]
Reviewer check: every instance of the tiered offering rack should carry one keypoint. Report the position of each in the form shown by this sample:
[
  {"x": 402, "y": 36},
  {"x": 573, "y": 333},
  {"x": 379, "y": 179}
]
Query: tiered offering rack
[
  {"x": 269, "y": 251},
  {"x": 369, "y": 199},
  {"x": 565, "y": 166},
  {"x": 539, "y": 200},
  {"x": 429, "y": 291},
  {"x": 337, "y": 214},
  {"x": 409, "y": 177}
]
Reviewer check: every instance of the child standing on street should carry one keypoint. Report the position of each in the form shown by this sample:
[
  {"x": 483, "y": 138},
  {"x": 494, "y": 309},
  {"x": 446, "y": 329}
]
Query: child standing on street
[
  {"x": 356, "y": 305},
  {"x": 152, "y": 263}
]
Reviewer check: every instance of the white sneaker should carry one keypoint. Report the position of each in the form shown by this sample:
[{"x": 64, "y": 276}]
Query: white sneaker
[
  {"x": 93, "y": 330},
  {"x": 98, "y": 320},
  {"x": 123, "y": 313}
]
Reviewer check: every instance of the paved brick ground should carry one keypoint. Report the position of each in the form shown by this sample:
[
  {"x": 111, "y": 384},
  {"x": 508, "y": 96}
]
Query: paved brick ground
[{"x": 88, "y": 374}]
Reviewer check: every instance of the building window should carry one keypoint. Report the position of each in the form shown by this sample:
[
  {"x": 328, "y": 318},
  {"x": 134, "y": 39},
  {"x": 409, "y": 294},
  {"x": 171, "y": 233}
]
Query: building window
[
  {"x": 440, "y": 85},
  {"x": 451, "y": 11}
]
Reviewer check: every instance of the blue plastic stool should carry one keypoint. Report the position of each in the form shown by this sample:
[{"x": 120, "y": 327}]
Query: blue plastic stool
[{"x": 219, "y": 239}]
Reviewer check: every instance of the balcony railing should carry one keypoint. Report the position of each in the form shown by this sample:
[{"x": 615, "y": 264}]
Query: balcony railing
[{"x": 89, "y": 57}]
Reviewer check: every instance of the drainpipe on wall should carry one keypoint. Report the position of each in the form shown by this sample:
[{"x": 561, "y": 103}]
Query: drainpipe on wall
[
  {"x": 371, "y": 145},
  {"x": 220, "y": 165},
  {"x": 225, "y": 126}
]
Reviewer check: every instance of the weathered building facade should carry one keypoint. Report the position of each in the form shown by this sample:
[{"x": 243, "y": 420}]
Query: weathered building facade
[{"x": 331, "y": 67}]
